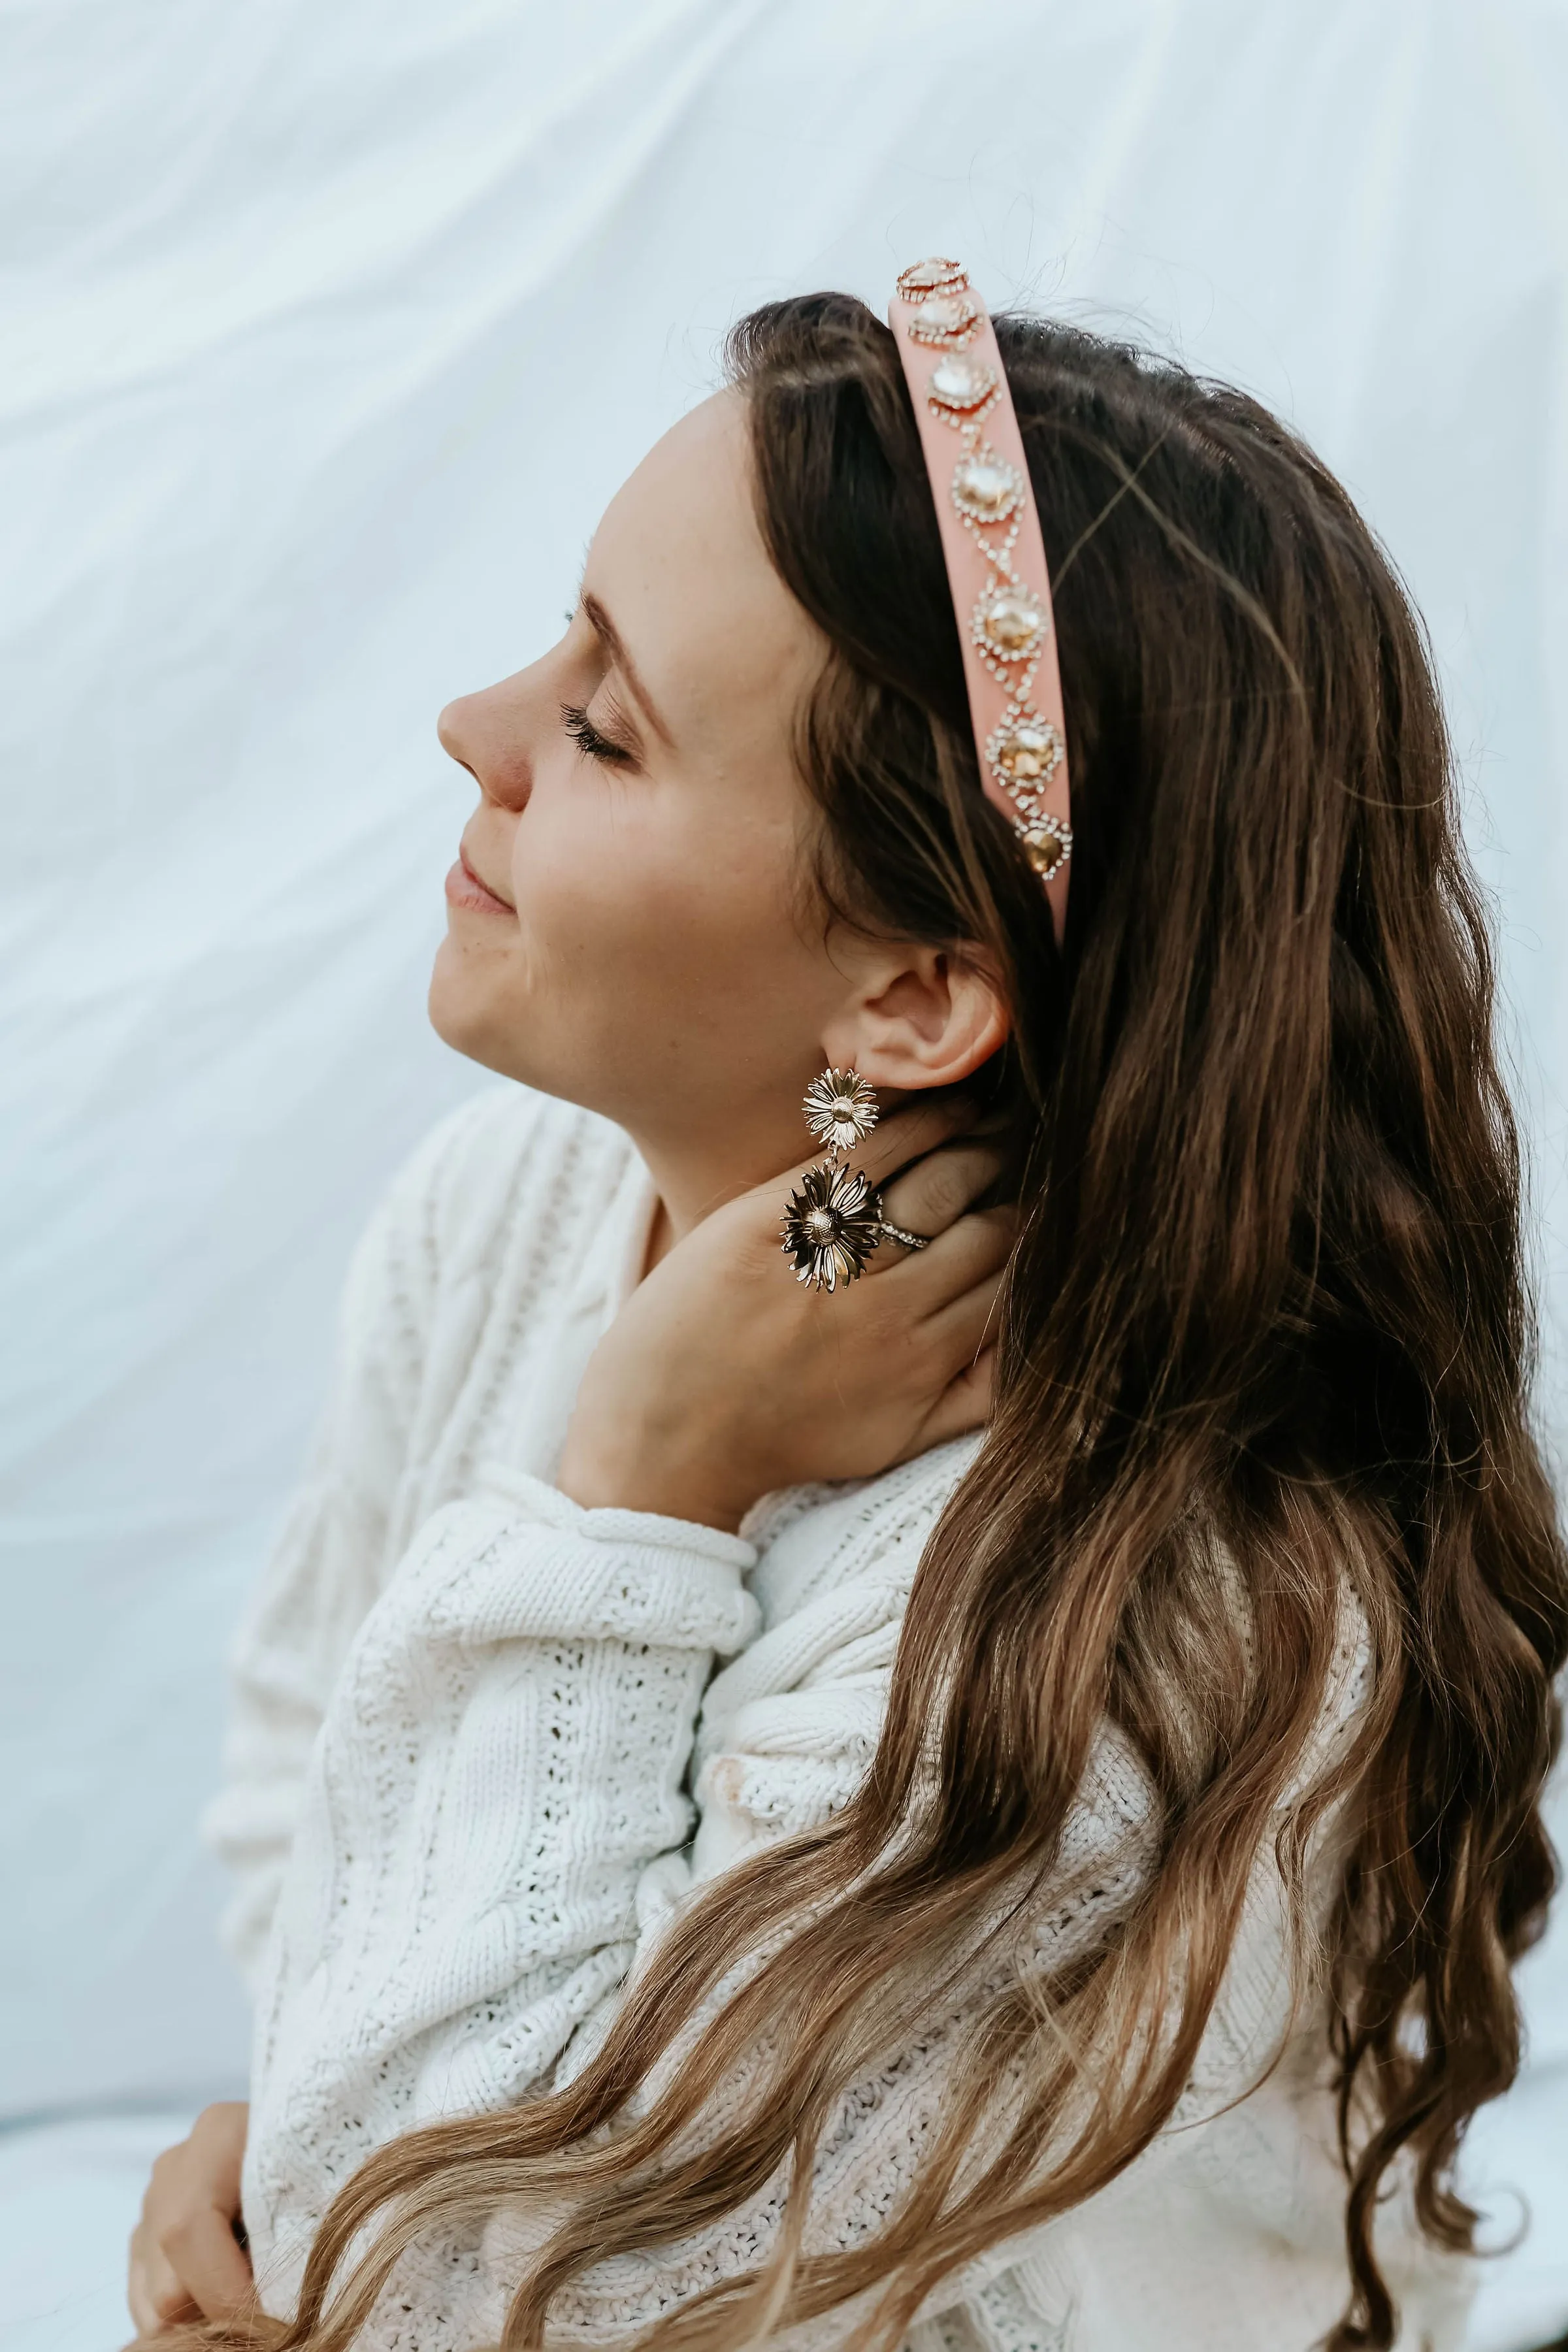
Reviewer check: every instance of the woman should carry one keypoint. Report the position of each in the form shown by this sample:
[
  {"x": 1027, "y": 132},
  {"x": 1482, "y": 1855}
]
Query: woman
[{"x": 1135, "y": 1602}]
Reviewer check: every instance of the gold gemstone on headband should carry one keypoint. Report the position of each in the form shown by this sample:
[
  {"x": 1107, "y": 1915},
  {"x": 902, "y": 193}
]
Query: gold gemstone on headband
[
  {"x": 1025, "y": 752},
  {"x": 961, "y": 385},
  {"x": 1010, "y": 622},
  {"x": 986, "y": 487},
  {"x": 928, "y": 276},
  {"x": 945, "y": 319},
  {"x": 1048, "y": 845}
]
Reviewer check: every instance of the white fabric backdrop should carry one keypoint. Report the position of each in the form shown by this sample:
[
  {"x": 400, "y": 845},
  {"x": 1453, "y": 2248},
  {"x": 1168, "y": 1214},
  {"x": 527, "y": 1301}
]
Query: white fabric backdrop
[{"x": 327, "y": 331}]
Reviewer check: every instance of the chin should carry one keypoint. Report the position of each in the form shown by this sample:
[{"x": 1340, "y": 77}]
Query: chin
[
  {"x": 461, "y": 1015},
  {"x": 503, "y": 1028}
]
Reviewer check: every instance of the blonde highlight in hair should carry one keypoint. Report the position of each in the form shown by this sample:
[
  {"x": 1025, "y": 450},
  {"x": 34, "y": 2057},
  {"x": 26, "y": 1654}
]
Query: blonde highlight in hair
[{"x": 1265, "y": 1355}]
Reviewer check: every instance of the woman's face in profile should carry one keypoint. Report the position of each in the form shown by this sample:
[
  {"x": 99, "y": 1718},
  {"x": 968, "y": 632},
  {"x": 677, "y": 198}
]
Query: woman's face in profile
[{"x": 629, "y": 923}]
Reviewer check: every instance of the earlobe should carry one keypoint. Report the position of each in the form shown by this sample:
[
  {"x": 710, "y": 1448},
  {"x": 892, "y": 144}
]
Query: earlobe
[{"x": 932, "y": 1024}]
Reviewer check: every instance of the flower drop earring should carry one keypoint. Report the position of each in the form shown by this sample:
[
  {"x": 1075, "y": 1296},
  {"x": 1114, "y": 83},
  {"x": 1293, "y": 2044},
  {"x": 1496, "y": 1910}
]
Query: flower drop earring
[{"x": 833, "y": 1220}]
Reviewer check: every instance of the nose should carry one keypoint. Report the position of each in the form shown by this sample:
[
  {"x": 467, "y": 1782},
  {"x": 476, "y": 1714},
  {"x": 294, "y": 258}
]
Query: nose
[{"x": 487, "y": 734}]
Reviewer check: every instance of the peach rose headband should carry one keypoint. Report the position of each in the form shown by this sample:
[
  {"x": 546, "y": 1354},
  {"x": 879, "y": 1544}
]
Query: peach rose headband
[{"x": 995, "y": 559}]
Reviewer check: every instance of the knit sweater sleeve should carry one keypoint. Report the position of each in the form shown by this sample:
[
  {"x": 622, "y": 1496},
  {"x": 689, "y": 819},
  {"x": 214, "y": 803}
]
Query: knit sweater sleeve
[{"x": 500, "y": 1763}]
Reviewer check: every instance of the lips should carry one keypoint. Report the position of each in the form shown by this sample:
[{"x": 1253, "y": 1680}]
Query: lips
[{"x": 464, "y": 889}]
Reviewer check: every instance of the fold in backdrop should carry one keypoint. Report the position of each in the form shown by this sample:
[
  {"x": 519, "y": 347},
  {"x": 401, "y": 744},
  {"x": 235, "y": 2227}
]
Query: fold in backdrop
[{"x": 327, "y": 332}]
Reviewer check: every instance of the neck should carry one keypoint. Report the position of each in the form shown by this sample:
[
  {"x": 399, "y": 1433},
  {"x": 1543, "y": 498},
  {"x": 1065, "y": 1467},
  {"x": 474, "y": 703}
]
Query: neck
[{"x": 695, "y": 1174}]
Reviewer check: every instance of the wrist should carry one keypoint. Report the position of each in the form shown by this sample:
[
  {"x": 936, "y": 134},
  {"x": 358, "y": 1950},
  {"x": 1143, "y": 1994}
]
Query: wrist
[{"x": 615, "y": 1479}]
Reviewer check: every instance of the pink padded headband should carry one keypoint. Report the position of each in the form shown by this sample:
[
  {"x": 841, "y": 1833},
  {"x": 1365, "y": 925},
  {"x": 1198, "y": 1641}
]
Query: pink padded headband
[{"x": 995, "y": 559}]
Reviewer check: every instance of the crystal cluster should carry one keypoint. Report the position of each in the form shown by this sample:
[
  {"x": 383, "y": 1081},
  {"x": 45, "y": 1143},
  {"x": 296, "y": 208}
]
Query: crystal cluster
[
  {"x": 985, "y": 487},
  {"x": 1027, "y": 750},
  {"x": 1010, "y": 621},
  {"x": 949, "y": 319},
  {"x": 961, "y": 384}
]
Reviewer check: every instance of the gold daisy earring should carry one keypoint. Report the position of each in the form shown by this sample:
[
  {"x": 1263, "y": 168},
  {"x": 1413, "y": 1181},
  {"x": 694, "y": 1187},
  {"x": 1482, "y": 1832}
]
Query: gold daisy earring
[
  {"x": 833, "y": 1220},
  {"x": 840, "y": 1111}
]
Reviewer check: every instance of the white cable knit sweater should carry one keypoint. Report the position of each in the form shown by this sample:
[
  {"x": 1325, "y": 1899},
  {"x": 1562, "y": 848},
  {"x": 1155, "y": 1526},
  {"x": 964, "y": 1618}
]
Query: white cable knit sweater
[{"x": 469, "y": 1716}]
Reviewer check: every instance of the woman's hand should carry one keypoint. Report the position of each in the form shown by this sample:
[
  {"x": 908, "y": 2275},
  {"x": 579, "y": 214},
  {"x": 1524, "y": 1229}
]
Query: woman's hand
[
  {"x": 185, "y": 2261},
  {"x": 724, "y": 1378}
]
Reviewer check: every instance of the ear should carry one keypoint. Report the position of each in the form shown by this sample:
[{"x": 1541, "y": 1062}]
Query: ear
[{"x": 929, "y": 1021}]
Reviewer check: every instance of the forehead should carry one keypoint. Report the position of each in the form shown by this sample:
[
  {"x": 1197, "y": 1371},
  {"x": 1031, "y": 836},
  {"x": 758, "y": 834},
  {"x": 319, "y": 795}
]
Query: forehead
[{"x": 680, "y": 563}]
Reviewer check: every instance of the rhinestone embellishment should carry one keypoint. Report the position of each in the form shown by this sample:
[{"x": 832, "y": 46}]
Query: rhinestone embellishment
[
  {"x": 949, "y": 319},
  {"x": 929, "y": 277},
  {"x": 985, "y": 487},
  {"x": 1047, "y": 844},
  {"x": 961, "y": 385},
  {"x": 1025, "y": 752},
  {"x": 1010, "y": 622}
]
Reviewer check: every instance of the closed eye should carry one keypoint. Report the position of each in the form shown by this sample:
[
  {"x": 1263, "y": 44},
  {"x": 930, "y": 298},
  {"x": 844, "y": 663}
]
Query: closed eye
[{"x": 588, "y": 739}]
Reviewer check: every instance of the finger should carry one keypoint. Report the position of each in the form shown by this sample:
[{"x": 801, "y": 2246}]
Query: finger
[
  {"x": 205, "y": 2252},
  {"x": 217, "y": 2138},
  {"x": 912, "y": 1130},
  {"x": 143, "y": 2317},
  {"x": 927, "y": 1198},
  {"x": 908, "y": 1133},
  {"x": 971, "y": 1251},
  {"x": 967, "y": 1327},
  {"x": 964, "y": 1404},
  {"x": 155, "y": 2293}
]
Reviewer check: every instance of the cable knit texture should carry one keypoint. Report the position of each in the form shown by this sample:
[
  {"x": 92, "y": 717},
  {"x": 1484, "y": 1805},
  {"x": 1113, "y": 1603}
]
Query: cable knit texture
[{"x": 483, "y": 1741}]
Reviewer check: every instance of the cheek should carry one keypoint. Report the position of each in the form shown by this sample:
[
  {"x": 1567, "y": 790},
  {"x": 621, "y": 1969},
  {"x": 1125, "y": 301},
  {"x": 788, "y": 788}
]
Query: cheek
[{"x": 666, "y": 926}]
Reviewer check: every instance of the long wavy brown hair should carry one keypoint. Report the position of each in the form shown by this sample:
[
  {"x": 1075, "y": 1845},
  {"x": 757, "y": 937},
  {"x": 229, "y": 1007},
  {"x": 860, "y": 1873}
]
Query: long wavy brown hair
[{"x": 1269, "y": 1307}]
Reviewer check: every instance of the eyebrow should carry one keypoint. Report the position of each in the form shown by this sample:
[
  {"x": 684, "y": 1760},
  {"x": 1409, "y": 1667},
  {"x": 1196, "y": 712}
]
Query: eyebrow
[{"x": 610, "y": 637}]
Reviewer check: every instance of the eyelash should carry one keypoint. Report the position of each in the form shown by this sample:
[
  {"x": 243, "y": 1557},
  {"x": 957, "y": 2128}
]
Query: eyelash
[{"x": 588, "y": 739}]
